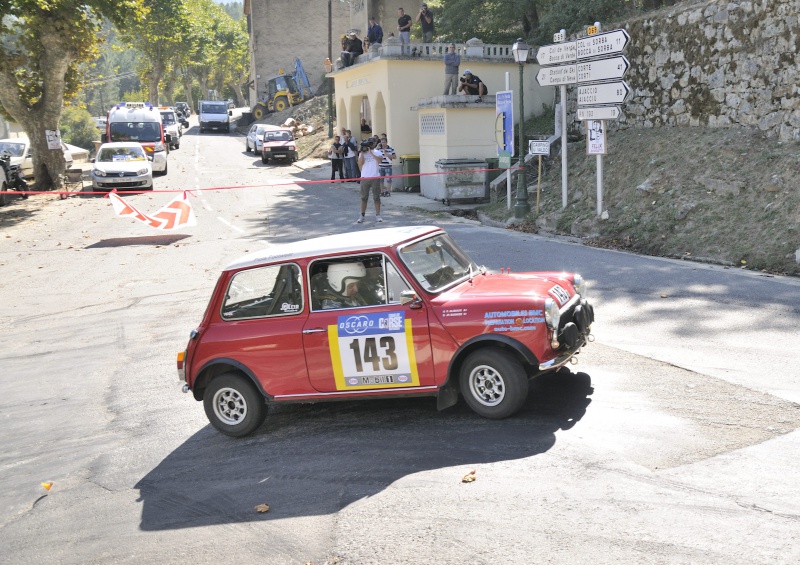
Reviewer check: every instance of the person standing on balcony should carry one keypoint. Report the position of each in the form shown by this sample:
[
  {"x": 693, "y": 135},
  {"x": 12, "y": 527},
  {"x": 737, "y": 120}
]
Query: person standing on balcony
[
  {"x": 404, "y": 26},
  {"x": 374, "y": 32},
  {"x": 425, "y": 19},
  {"x": 451, "y": 62}
]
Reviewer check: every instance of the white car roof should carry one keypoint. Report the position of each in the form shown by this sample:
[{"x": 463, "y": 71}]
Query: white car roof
[{"x": 332, "y": 244}]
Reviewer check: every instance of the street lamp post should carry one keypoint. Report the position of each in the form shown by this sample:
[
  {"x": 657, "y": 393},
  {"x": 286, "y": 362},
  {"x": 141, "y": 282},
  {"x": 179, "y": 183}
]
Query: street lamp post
[
  {"x": 328, "y": 69},
  {"x": 521, "y": 208}
]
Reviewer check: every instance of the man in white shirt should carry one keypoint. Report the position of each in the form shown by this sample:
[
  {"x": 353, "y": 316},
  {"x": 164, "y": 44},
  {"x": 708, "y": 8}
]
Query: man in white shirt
[
  {"x": 387, "y": 156},
  {"x": 369, "y": 163}
]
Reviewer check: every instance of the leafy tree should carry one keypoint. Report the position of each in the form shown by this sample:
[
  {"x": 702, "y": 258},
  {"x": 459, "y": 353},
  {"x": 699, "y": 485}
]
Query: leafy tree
[
  {"x": 157, "y": 36},
  {"x": 78, "y": 128},
  {"x": 232, "y": 65},
  {"x": 42, "y": 45}
]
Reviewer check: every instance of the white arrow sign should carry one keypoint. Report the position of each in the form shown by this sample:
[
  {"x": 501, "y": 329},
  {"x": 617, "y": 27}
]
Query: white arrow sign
[
  {"x": 552, "y": 76},
  {"x": 536, "y": 147},
  {"x": 603, "y": 69},
  {"x": 609, "y": 43},
  {"x": 599, "y": 113},
  {"x": 605, "y": 93},
  {"x": 556, "y": 53}
]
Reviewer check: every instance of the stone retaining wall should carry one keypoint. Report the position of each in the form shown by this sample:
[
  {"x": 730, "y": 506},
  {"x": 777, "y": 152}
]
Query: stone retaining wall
[{"x": 716, "y": 63}]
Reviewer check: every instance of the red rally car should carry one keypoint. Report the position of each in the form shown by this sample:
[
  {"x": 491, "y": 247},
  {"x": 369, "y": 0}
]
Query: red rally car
[{"x": 400, "y": 312}]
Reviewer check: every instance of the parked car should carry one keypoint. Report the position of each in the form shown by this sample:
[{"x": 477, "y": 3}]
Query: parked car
[
  {"x": 20, "y": 149},
  {"x": 171, "y": 126},
  {"x": 255, "y": 137},
  {"x": 122, "y": 165},
  {"x": 392, "y": 312},
  {"x": 183, "y": 107},
  {"x": 278, "y": 144}
]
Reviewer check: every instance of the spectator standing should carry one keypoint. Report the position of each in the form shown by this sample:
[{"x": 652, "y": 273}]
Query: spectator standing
[
  {"x": 369, "y": 160},
  {"x": 404, "y": 26},
  {"x": 374, "y": 32},
  {"x": 365, "y": 126},
  {"x": 451, "y": 62},
  {"x": 353, "y": 47},
  {"x": 337, "y": 160},
  {"x": 350, "y": 156},
  {"x": 425, "y": 19},
  {"x": 387, "y": 156},
  {"x": 472, "y": 85}
]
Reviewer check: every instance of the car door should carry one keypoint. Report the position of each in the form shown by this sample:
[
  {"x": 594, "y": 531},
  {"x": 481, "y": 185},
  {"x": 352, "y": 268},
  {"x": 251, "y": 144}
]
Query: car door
[{"x": 378, "y": 347}]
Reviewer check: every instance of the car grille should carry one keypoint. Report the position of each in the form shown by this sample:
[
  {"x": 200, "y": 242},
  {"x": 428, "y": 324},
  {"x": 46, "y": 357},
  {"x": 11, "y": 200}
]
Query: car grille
[{"x": 130, "y": 184}]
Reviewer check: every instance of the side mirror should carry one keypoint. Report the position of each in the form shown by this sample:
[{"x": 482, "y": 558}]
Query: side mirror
[
  {"x": 410, "y": 297},
  {"x": 167, "y": 138},
  {"x": 230, "y": 112}
]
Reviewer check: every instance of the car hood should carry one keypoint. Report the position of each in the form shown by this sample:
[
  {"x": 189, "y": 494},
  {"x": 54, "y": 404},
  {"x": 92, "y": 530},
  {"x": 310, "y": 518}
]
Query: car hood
[
  {"x": 277, "y": 144},
  {"x": 121, "y": 166},
  {"x": 502, "y": 290}
]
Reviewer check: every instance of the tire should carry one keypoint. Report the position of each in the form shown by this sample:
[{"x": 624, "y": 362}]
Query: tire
[
  {"x": 281, "y": 103},
  {"x": 247, "y": 147},
  {"x": 3, "y": 197},
  {"x": 494, "y": 383},
  {"x": 264, "y": 159},
  {"x": 233, "y": 405},
  {"x": 259, "y": 112}
]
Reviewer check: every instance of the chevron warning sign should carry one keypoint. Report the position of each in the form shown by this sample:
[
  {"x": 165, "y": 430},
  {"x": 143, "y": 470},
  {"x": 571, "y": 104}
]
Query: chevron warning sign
[{"x": 177, "y": 214}]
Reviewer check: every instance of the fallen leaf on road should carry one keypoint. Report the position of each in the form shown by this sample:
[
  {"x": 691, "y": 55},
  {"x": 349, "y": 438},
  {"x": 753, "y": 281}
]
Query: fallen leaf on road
[
  {"x": 469, "y": 477},
  {"x": 47, "y": 485},
  {"x": 665, "y": 296},
  {"x": 262, "y": 508}
]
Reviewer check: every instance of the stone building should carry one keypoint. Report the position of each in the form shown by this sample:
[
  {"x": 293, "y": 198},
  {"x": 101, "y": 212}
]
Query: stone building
[{"x": 281, "y": 30}]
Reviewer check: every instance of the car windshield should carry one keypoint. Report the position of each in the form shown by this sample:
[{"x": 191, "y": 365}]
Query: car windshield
[
  {"x": 437, "y": 262},
  {"x": 168, "y": 118},
  {"x": 215, "y": 108},
  {"x": 15, "y": 149},
  {"x": 136, "y": 131},
  {"x": 111, "y": 154},
  {"x": 278, "y": 136}
]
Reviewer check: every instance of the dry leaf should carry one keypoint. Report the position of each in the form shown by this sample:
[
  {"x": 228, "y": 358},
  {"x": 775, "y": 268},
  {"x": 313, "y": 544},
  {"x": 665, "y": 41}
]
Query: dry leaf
[
  {"x": 469, "y": 477},
  {"x": 665, "y": 296},
  {"x": 262, "y": 508},
  {"x": 48, "y": 485}
]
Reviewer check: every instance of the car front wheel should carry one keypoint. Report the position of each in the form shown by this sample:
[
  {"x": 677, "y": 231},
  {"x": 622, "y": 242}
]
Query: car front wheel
[
  {"x": 494, "y": 383},
  {"x": 233, "y": 405},
  {"x": 264, "y": 159}
]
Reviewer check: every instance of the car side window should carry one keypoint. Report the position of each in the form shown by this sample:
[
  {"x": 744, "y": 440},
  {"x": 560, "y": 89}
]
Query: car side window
[
  {"x": 395, "y": 283},
  {"x": 348, "y": 282},
  {"x": 274, "y": 290}
]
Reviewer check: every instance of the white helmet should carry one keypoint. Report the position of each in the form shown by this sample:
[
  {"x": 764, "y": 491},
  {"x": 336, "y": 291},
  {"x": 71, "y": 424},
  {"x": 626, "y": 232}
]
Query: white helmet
[{"x": 339, "y": 274}]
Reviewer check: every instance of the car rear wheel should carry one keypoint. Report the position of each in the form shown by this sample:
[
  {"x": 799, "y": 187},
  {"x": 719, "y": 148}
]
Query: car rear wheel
[
  {"x": 233, "y": 405},
  {"x": 494, "y": 383}
]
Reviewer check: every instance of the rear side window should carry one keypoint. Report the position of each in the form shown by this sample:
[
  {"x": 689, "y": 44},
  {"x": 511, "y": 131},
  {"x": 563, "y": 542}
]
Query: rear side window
[{"x": 275, "y": 290}]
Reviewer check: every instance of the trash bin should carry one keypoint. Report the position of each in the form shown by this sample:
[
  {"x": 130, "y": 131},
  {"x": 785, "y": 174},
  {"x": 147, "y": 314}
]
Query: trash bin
[
  {"x": 465, "y": 179},
  {"x": 410, "y": 167}
]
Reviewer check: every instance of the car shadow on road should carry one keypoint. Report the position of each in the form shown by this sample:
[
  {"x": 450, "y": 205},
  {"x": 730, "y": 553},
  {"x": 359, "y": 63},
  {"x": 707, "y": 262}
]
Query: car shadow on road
[
  {"x": 310, "y": 460},
  {"x": 167, "y": 239}
]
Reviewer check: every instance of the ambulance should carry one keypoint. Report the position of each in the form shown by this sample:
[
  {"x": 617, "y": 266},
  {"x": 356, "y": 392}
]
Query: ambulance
[{"x": 140, "y": 122}]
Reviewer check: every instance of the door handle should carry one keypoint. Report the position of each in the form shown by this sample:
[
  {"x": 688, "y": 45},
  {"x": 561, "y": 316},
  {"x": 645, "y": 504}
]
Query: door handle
[{"x": 314, "y": 331}]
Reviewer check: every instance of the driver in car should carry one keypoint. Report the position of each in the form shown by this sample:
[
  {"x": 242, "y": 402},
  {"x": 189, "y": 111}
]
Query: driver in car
[{"x": 343, "y": 286}]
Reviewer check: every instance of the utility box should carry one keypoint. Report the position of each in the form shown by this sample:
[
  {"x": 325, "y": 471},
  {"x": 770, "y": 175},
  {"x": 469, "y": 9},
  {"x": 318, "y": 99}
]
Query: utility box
[
  {"x": 459, "y": 179},
  {"x": 410, "y": 167}
]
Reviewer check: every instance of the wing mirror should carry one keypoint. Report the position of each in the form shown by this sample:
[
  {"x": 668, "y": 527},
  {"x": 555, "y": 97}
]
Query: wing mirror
[{"x": 410, "y": 297}]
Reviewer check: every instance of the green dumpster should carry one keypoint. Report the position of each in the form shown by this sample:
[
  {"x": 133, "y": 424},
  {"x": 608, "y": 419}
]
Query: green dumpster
[{"x": 410, "y": 167}]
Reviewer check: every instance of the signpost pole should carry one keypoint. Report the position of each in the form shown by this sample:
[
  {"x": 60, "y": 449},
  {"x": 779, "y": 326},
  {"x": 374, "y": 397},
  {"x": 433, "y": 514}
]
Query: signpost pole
[
  {"x": 508, "y": 171},
  {"x": 522, "y": 207},
  {"x": 600, "y": 183},
  {"x": 539, "y": 185},
  {"x": 563, "y": 88}
]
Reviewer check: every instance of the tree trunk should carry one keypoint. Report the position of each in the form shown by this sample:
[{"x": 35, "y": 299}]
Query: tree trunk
[
  {"x": 237, "y": 93},
  {"x": 187, "y": 88},
  {"x": 153, "y": 78},
  {"x": 48, "y": 164}
]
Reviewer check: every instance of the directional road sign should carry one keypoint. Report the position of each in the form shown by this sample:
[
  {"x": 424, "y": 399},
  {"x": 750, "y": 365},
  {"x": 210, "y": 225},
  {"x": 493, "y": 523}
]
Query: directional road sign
[
  {"x": 609, "y": 43},
  {"x": 604, "y": 93},
  {"x": 556, "y": 53},
  {"x": 552, "y": 76},
  {"x": 538, "y": 147},
  {"x": 598, "y": 113},
  {"x": 603, "y": 69}
]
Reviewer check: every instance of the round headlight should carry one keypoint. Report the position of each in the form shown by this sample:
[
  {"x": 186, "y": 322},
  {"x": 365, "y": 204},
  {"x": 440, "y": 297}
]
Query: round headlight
[
  {"x": 579, "y": 284},
  {"x": 551, "y": 314}
]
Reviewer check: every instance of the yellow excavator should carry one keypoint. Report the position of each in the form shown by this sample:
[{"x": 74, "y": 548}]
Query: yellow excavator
[{"x": 284, "y": 91}]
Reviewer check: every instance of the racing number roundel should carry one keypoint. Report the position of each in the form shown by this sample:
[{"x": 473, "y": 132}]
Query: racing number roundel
[{"x": 373, "y": 351}]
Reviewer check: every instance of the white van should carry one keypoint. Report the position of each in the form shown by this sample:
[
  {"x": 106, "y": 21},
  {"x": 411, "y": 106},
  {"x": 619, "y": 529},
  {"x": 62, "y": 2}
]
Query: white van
[
  {"x": 214, "y": 114},
  {"x": 140, "y": 122}
]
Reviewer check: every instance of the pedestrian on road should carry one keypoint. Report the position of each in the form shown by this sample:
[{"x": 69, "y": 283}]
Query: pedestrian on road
[
  {"x": 451, "y": 62},
  {"x": 425, "y": 19},
  {"x": 404, "y": 26},
  {"x": 337, "y": 160},
  {"x": 368, "y": 160},
  {"x": 387, "y": 156},
  {"x": 350, "y": 157}
]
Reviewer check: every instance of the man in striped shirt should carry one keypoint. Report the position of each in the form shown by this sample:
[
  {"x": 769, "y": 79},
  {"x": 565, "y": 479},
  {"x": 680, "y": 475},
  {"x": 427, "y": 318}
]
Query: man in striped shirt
[{"x": 388, "y": 155}]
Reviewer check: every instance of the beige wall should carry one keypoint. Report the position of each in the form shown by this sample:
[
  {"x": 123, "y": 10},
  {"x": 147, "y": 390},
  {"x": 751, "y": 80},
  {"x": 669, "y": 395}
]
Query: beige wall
[{"x": 394, "y": 88}]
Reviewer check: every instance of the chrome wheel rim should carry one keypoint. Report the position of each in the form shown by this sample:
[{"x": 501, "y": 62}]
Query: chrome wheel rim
[
  {"x": 487, "y": 385},
  {"x": 230, "y": 407}
]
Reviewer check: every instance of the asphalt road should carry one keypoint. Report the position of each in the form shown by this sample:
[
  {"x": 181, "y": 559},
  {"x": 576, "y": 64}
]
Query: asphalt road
[{"x": 674, "y": 440}]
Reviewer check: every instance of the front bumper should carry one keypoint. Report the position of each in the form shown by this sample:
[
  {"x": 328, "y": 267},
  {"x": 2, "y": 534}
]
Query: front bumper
[
  {"x": 160, "y": 161},
  {"x": 113, "y": 181}
]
